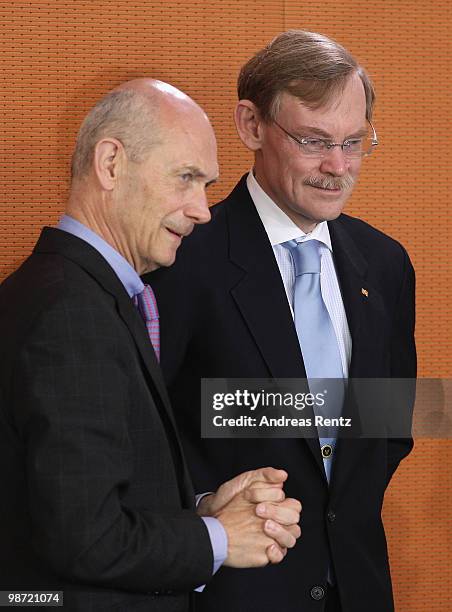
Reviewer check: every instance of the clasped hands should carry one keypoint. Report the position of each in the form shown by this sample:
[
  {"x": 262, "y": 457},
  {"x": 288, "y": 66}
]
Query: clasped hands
[{"x": 261, "y": 524}]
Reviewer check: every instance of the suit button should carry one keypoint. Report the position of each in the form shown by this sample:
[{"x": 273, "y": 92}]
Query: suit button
[
  {"x": 317, "y": 593},
  {"x": 327, "y": 451},
  {"x": 331, "y": 516}
]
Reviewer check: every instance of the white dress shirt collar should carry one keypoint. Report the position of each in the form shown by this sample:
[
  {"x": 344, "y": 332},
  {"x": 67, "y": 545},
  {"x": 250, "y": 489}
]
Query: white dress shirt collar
[{"x": 277, "y": 224}]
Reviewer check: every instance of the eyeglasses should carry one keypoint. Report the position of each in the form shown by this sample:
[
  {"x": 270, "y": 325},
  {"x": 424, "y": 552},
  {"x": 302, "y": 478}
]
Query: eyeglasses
[{"x": 352, "y": 147}]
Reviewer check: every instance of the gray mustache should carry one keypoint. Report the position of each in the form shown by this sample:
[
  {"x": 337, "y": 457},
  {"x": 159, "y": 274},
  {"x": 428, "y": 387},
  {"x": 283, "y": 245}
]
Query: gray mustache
[{"x": 330, "y": 182}]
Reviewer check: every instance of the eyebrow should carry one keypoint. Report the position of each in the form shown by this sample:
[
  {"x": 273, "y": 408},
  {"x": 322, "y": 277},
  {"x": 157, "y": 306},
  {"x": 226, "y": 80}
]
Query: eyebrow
[{"x": 319, "y": 132}]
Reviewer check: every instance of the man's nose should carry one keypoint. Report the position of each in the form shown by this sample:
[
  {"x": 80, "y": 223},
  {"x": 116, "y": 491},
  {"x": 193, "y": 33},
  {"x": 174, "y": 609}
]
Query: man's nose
[
  {"x": 335, "y": 162},
  {"x": 198, "y": 209}
]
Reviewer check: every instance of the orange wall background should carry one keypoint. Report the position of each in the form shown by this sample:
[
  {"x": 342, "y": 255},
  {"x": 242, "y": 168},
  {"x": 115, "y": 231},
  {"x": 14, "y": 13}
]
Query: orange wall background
[{"x": 58, "y": 57}]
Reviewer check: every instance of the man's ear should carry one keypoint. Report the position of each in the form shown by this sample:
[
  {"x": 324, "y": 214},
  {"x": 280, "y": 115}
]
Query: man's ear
[
  {"x": 108, "y": 161},
  {"x": 249, "y": 124}
]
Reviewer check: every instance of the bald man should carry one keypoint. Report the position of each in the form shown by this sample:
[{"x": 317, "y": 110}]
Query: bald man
[{"x": 96, "y": 497}]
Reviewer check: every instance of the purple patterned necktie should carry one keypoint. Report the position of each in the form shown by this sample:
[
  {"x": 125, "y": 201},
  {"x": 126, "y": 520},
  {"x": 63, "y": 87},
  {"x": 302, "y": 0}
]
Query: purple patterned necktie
[{"x": 147, "y": 307}]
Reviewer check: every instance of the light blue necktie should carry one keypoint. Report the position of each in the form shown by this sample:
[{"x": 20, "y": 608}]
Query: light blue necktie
[{"x": 317, "y": 339}]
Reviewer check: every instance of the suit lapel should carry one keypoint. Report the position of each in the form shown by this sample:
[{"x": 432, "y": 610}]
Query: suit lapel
[
  {"x": 351, "y": 270},
  {"x": 260, "y": 294},
  {"x": 363, "y": 302},
  {"x": 261, "y": 297},
  {"x": 132, "y": 319},
  {"x": 363, "y": 305},
  {"x": 155, "y": 381}
]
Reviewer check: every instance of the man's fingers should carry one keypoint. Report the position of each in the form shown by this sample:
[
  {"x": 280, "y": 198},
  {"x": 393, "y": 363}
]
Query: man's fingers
[
  {"x": 295, "y": 530},
  {"x": 285, "y": 537},
  {"x": 253, "y": 478},
  {"x": 286, "y": 512},
  {"x": 256, "y": 495},
  {"x": 275, "y": 554},
  {"x": 293, "y": 503},
  {"x": 260, "y": 484},
  {"x": 266, "y": 475}
]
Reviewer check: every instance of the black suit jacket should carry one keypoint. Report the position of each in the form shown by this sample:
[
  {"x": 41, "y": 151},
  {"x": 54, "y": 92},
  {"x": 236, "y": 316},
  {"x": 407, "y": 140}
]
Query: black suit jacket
[
  {"x": 96, "y": 497},
  {"x": 224, "y": 313}
]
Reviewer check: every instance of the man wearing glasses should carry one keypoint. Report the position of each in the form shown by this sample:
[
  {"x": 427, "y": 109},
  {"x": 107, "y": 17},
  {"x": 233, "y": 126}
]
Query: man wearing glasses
[{"x": 282, "y": 284}]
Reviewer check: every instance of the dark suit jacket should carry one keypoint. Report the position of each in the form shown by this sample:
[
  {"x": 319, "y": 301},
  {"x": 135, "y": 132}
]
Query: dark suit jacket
[
  {"x": 224, "y": 313},
  {"x": 96, "y": 497}
]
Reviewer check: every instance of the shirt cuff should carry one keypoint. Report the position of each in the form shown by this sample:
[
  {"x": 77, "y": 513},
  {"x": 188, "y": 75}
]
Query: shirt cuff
[{"x": 219, "y": 542}]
